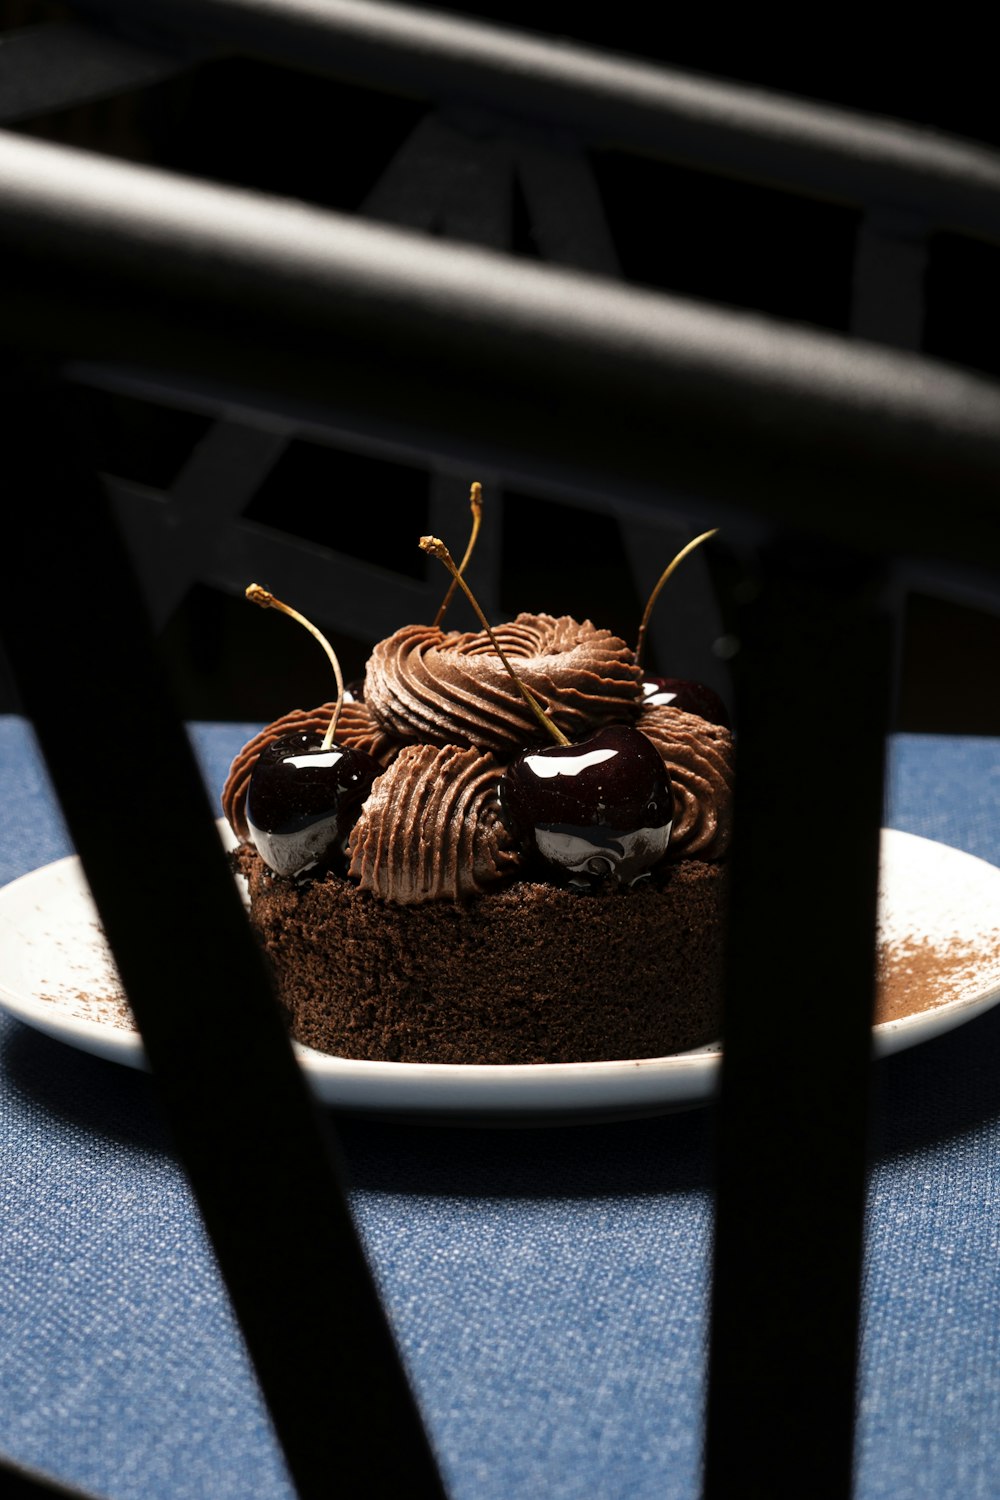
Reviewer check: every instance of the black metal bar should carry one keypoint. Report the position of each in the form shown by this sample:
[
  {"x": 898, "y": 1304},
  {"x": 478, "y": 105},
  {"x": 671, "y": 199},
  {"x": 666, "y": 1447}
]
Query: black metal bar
[
  {"x": 809, "y": 148},
  {"x": 257, "y": 1153},
  {"x": 890, "y": 265},
  {"x": 813, "y": 684},
  {"x": 215, "y": 486},
  {"x": 976, "y": 587},
  {"x": 504, "y": 361}
]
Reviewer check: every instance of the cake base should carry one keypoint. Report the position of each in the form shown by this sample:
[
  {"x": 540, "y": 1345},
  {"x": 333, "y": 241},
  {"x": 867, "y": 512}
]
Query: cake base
[{"x": 529, "y": 974}]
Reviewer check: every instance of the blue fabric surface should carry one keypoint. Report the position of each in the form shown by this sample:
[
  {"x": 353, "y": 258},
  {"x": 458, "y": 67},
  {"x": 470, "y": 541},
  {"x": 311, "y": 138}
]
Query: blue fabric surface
[{"x": 548, "y": 1287}]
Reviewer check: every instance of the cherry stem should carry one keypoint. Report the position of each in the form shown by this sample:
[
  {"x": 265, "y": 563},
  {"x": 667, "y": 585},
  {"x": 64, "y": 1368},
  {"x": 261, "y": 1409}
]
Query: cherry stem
[
  {"x": 476, "y": 506},
  {"x": 266, "y": 600},
  {"x": 682, "y": 554},
  {"x": 437, "y": 548}
]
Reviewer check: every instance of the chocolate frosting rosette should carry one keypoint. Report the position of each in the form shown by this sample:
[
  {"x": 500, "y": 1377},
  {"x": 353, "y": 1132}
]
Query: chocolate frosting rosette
[
  {"x": 431, "y": 828},
  {"x": 699, "y": 757},
  {"x": 445, "y": 687}
]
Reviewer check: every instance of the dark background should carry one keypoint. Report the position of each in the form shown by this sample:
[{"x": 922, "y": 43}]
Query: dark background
[{"x": 701, "y": 236}]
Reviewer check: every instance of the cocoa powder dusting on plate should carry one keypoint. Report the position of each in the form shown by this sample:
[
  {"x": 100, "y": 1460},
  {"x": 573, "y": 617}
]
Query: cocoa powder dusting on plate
[
  {"x": 108, "y": 1006},
  {"x": 917, "y": 974}
]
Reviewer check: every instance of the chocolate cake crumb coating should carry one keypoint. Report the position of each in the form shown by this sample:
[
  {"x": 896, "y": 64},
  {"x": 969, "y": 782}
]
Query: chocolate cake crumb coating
[{"x": 528, "y": 974}]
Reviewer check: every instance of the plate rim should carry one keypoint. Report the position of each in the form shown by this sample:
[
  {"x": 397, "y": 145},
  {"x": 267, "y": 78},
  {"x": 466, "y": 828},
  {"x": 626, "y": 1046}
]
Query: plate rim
[{"x": 611, "y": 1087}]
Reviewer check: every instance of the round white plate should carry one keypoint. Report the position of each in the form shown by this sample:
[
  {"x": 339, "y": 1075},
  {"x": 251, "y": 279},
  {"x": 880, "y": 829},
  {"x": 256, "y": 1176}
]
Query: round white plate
[{"x": 939, "y": 922}]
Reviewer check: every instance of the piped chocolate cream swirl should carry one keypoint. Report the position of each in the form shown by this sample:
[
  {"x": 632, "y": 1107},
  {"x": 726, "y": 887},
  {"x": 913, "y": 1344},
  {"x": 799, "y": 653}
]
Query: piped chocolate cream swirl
[
  {"x": 357, "y": 729},
  {"x": 444, "y": 688},
  {"x": 431, "y": 828},
  {"x": 699, "y": 758}
]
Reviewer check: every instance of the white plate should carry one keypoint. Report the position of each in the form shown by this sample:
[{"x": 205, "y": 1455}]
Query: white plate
[{"x": 939, "y": 917}]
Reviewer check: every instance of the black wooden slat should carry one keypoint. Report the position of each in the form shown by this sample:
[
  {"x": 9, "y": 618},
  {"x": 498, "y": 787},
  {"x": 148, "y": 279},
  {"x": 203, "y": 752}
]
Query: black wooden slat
[
  {"x": 20, "y": 1483},
  {"x": 255, "y": 1148},
  {"x": 805, "y": 147},
  {"x": 573, "y": 375},
  {"x": 49, "y": 68},
  {"x": 890, "y": 266},
  {"x": 812, "y": 676}
]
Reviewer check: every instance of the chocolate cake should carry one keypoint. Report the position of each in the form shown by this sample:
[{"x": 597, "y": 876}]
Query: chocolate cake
[{"x": 444, "y": 934}]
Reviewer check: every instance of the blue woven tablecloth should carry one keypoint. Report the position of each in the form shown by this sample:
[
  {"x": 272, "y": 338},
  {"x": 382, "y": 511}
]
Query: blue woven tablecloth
[{"x": 548, "y": 1288}]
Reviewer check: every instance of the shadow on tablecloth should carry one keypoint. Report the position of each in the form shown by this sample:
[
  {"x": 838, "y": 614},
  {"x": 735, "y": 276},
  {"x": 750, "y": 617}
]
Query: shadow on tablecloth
[{"x": 941, "y": 1089}]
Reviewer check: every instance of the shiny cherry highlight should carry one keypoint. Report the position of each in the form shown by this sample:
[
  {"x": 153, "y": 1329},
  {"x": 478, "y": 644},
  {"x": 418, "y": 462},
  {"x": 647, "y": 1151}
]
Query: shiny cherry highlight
[
  {"x": 303, "y": 800},
  {"x": 593, "y": 812}
]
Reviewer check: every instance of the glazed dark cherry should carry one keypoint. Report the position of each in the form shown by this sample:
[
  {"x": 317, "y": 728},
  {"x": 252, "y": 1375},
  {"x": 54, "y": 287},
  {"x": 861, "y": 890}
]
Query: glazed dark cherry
[
  {"x": 692, "y": 697},
  {"x": 600, "y": 810},
  {"x": 304, "y": 799}
]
